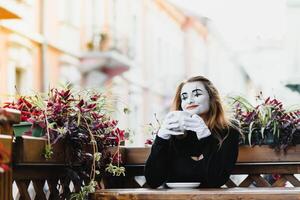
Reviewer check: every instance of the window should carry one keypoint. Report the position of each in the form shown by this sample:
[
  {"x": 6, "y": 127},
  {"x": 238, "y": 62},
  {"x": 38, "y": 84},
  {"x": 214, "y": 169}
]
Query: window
[
  {"x": 20, "y": 80},
  {"x": 69, "y": 12}
]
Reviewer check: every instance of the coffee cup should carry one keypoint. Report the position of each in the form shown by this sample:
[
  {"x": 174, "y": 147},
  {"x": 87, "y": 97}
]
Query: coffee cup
[{"x": 179, "y": 115}]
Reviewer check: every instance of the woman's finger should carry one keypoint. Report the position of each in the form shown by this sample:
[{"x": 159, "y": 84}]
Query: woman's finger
[
  {"x": 172, "y": 121},
  {"x": 172, "y": 126}
]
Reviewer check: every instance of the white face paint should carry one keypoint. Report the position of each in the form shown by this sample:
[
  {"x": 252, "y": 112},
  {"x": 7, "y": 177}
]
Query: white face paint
[{"x": 194, "y": 98}]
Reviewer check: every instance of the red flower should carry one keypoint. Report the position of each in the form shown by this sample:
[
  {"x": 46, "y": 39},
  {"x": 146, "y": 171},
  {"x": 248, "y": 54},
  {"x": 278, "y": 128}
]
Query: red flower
[
  {"x": 149, "y": 141},
  {"x": 120, "y": 133},
  {"x": 4, "y": 167}
]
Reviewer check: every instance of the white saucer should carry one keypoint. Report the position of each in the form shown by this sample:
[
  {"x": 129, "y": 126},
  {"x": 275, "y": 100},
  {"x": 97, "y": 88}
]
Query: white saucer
[{"x": 183, "y": 184}]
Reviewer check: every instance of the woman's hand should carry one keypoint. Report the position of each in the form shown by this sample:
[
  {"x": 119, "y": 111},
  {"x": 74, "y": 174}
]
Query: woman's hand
[
  {"x": 196, "y": 124},
  {"x": 169, "y": 124}
]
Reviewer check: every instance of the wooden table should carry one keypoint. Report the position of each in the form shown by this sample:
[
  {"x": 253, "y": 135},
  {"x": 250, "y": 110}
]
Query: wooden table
[{"x": 203, "y": 194}]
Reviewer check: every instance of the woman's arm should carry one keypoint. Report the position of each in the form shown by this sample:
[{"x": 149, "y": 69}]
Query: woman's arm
[
  {"x": 156, "y": 169},
  {"x": 218, "y": 163}
]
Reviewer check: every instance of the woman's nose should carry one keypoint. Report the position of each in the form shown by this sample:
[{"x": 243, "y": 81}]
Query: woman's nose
[{"x": 191, "y": 100}]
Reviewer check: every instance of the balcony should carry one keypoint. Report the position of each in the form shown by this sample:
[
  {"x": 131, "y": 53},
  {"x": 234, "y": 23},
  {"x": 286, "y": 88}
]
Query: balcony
[{"x": 107, "y": 57}]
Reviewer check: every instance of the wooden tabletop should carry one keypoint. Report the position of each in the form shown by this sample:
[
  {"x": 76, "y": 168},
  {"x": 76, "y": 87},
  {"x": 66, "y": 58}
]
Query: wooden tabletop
[{"x": 203, "y": 194}]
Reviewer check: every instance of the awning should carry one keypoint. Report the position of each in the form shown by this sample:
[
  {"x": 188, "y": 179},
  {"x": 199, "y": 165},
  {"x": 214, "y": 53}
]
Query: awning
[
  {"x": 111, "y": 63},
  {"x": 8, "y": 13}
]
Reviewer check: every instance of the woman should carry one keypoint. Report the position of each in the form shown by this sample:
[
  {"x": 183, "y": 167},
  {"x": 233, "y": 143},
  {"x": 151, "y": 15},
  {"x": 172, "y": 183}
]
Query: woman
[{"x": 208, "y": 149}]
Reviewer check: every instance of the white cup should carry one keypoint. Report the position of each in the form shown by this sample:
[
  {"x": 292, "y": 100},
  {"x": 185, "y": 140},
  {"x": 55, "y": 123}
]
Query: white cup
[{"x": 179, "y": 115}]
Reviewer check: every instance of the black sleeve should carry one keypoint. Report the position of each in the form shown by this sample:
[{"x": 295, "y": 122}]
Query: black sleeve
[
  {"x": 218, "y": 163},
  {"x": 157, "y": 163}
]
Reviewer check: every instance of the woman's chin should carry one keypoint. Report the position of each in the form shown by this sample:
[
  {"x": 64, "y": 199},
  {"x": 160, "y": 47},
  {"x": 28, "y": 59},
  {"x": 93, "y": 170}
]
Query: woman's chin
[{"x": 192, "y": 111}]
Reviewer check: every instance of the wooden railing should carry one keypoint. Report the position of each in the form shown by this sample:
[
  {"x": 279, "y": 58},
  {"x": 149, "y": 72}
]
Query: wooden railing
[
  {"x": 37, "y": 178},
  {"x": 48, "y": 176},
  {"x": 253, "y": 162}
]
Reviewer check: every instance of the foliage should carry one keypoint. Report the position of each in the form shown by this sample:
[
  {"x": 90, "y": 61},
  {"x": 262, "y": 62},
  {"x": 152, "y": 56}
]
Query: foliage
[
  {"x": 82, "y": 122},
  {"x": 152, "y": 129},
  {"x": 268, "y": 122}
]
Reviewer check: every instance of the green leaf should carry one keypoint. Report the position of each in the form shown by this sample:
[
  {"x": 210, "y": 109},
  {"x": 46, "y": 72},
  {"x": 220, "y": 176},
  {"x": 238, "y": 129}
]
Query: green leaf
[
  {"x": 244, "y": 102},
  {"x": 97, "y": 156},
  {"x": 262, "y": 131},
  {"x": 48, "y": 152},
  {"x": 250, "y": 132},
  {"x": 274, "y": 128}
]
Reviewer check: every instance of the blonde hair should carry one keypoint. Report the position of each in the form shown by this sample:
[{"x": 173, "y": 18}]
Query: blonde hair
[{"x": 216, "y": 119}]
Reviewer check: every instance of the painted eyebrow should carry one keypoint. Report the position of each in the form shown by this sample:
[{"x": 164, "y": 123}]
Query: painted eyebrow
[
  {"x": 184, "y": 94},
  {"x": 196, "y": 90}
]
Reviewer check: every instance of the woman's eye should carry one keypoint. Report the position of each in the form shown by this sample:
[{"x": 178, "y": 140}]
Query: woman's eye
[
  {"x": 197, "y": 95},
  {"x": 184, "y": 98}
]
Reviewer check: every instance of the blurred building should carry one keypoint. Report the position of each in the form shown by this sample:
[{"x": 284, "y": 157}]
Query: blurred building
[
  {"x": 140, "y": 50},
  {"x": 41, "y": 47}
]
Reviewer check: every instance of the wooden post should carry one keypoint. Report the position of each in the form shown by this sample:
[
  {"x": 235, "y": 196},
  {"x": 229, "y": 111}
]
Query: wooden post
[{"x": 7, "y": 118}]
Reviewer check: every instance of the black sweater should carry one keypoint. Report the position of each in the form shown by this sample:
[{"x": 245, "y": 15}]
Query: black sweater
[{"x": 170, "y": 160}]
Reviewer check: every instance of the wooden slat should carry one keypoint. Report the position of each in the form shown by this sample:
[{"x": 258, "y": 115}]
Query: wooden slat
[
  {"x": 2, "y": 186},
  {"x": 54, "y": 193},
  {"x": 292, "y": 179},
  {"x": 230, "y": 184},
  {"x": 276, "y": 168},
  {"x": 203, "y": 194},
  {"x": 260, "y": 181},
  {"x": 8, "y": 183},
  {"x": 246, "y": 182},
  {"x": 38, "y": 186},
  {"x": 280, "y": 182},
  {"x": 23, "y": 189}
]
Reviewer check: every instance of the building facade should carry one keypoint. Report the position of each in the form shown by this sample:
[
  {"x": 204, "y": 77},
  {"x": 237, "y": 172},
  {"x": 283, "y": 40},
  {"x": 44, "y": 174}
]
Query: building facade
[{"x": 139, "y": 50}]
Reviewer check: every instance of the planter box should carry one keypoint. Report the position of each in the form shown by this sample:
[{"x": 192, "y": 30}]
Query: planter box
[
  {"x": 28, "y": 149},
  {"x": 264, "y": 153},
  {"x": 247, "y": 154},
  {"x": 22, "y": 127}
]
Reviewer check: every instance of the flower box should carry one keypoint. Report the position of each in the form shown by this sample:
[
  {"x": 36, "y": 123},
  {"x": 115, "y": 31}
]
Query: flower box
[
  {"x": 23, "y": 127},
  {"x": 264, "y": 154},
  {"x": 247, "y": 154},
  {"x": 28, "y": 149}
]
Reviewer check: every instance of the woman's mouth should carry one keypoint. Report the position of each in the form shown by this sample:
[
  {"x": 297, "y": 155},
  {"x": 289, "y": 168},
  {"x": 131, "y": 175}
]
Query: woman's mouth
[{"x": 190, "y": 107}]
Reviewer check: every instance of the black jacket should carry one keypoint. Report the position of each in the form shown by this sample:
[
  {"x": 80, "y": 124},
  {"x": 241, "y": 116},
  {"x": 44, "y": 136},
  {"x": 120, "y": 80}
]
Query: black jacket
[{"x": 170, "y": 160}]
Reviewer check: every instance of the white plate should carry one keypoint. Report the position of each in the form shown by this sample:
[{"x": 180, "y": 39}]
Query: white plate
[{"x": 183, "y": 185}]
